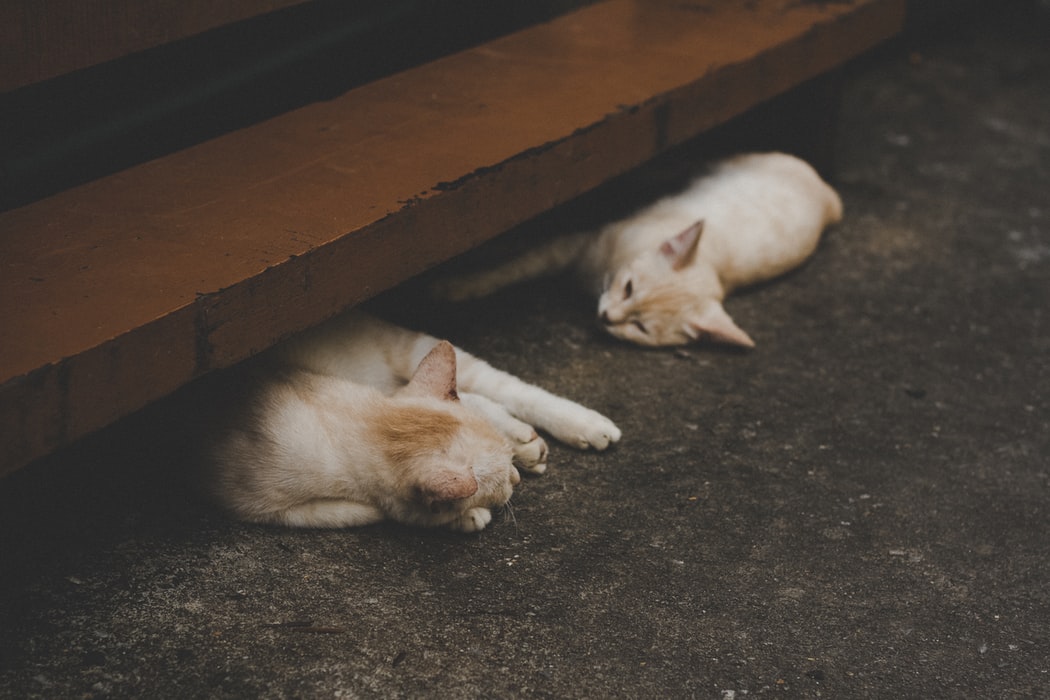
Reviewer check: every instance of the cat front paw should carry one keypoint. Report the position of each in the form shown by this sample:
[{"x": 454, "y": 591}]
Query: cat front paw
[
  {"x": 531, "y": 454},
  {"x": 586, "y": 429},
  {"x": 474, "y": 520}
]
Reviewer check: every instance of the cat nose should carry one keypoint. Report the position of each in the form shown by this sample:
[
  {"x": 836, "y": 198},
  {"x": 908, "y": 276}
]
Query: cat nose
[{"x": 605, "y": 318}]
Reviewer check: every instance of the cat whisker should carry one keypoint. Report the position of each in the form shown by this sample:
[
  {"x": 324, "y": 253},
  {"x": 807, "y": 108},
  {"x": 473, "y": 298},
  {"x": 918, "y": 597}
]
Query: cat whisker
[{"x": 508, "y": 512}]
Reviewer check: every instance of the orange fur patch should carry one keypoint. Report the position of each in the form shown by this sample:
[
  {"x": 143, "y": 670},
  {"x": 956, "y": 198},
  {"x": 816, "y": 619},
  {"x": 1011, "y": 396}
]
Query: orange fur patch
[
  {"x": 666, "y": 301},
  {"x": 406, "y": 432}
]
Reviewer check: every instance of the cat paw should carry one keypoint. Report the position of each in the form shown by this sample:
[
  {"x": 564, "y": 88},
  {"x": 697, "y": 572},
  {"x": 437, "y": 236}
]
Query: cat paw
[
  {"x": 530, "y": 453},
  {"x": 474, "y": 520},
  {"x": 586, "y": 430}
]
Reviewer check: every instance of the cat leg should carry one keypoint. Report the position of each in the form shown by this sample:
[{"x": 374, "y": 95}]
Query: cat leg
[
  {"x": 329, "y": 512},
  {"x": 530, "y": 450},
  {"x": 569, "y": 422},
  {"x": 474, "y": 520},
  {"x": 566, "y": 420}
]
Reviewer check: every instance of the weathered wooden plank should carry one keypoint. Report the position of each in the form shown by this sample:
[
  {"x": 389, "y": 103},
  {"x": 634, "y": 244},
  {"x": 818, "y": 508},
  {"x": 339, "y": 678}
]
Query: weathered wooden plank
[{"x": 116, "y": 292}]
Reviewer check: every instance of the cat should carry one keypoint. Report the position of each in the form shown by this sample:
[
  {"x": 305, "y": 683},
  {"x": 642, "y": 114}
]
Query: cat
[
  {"x": 366, "y": 349},
  {"x": 662, "y": 274},
  {"x": 359, "y": 420}
]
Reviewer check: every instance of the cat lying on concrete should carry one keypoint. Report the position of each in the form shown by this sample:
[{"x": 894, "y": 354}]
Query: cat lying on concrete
[
  {"x": 662, "y": 274},
  {"x": 359, "y": 420}
]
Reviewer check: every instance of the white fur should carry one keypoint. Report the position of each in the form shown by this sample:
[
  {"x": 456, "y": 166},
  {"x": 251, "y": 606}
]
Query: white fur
[
  {"x": 334, "y": 432},
  {"x": 365, "y": 349},
  {"x": 759, "y": 215},
  {"x": 312, "y": 450}
]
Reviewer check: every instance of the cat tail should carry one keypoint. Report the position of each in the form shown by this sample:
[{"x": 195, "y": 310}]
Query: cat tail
[{"x": 549, "y": 258}]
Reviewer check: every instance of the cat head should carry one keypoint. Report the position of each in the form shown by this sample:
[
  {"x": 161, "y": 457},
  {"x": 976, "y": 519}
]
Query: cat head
[
  {"x": 447, "y": 458},
  {"x": 667, "y": 297}
]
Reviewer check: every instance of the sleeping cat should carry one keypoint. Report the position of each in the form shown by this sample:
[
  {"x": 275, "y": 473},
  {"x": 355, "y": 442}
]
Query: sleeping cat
[
  {"x": 661, "y": 274},
  {"x": 331, "y": 435}
]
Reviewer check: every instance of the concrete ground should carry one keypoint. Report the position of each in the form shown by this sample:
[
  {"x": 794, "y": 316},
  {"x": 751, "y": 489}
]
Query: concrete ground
[{"x": 857, "y": 508}]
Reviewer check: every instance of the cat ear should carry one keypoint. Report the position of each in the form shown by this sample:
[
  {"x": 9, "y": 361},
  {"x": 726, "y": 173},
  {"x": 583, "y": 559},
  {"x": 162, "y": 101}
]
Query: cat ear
[
  {"x": 439, "y": 487},
  {"x": 436, "y": 374},
  {"x": 681, "y": 249},
  {"x": 716, "y": 323}
]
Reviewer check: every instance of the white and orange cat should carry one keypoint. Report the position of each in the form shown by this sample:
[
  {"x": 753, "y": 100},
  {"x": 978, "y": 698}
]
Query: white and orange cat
[
  {"x": 662, "y": 274},
  {"x": 359, "y": 420}
]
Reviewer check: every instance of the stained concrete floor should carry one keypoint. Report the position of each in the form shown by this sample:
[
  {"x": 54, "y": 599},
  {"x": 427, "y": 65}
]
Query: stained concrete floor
[{"x": 857, "y": 508}]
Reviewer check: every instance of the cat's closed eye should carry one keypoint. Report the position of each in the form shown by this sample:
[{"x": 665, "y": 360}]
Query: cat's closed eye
[{"x": 628, "y": 289}]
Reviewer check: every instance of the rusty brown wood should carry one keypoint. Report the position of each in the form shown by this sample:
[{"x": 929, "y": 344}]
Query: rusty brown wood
[{"x": 119, "y": 291}]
